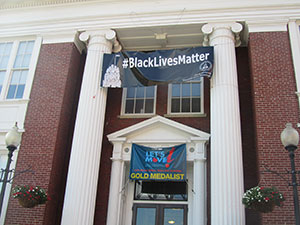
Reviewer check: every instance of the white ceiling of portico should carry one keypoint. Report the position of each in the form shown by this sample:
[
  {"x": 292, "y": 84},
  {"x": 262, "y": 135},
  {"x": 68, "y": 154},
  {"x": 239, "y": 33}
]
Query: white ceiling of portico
[{"x": 160, "y": 37}]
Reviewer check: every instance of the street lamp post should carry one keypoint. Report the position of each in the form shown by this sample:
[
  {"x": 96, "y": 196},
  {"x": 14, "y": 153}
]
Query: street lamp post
[
  {"x": 12, "y": 140},
  {"x": 290, "y": 140}
]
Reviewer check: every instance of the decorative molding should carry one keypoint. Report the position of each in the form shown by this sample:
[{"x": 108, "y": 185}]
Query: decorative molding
[
  {"x": 71, "y": 36},
  {"x": 210, "y": 31},
  {"x": 101, "y": 37},
  {"x": 270, "y": 25},
  {"x": 8, "y": 4},
  {"x": 86, "y": 15}
]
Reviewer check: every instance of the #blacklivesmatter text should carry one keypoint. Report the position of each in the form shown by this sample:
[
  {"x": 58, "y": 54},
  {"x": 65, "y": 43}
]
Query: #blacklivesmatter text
[{"x": 160, "y": 61}]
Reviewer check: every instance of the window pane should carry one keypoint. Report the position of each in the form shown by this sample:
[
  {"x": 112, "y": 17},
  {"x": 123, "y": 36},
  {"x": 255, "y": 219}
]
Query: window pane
[
  {"x": 15, "y": 77},
  {"x": 149, "y": 106},
  {"x": 139, "y": 106},
  {"x": 196, "y": 105},
  {"x": 196, "y": 89},
  {"x": 175, "y": 90},
  {"x": 186, "y": 105},
  {"x": 150, "y": 91},
  {"x": 129, "y": 106},
  {"x": 186, "y": 90},
  {"x": 4, "y": 61},
  {"x": 26, "y": 60},
  {"x": 2, "y": 47},
  {"x": 130, "y": 92},
  {"x": 24, "y": 54},
  {"x": 140, "y": 92},
  {"x": 23, "y": 77},
  {"x": 175, "y": 105},
  {"x": 173, "y": 216},
  {"x": 22, "y": 47},
  {"x": 29, "y": 47},
  {"x": 2, "y": 75},
  {"x": 11, "y": 91},
  {"x": 20, "y": 91},
  {"x": 146, "y": 216},
  {"x": 18, "y": 61},
  {"x": 5, "y": 49}
]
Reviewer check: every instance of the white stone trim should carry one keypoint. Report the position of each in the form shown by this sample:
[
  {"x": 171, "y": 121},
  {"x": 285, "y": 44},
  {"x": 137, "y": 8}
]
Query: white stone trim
[
  {"x": 273, "y": 25},
  {"x": 294, "y": 35},
  {"x": 32, "y": 20}
]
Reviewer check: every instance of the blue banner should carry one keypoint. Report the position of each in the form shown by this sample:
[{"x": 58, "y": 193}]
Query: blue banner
[
  {"x": 129, "y": 68},
  {"x": 158, "y": 163}
]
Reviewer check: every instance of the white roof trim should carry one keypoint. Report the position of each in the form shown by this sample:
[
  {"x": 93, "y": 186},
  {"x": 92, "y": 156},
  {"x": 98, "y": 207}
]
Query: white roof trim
[{"x": 158, "y": 120}]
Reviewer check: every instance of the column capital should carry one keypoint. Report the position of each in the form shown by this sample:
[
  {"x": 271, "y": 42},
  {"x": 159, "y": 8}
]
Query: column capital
[
  {"x": 214, "y": 30},
  {"x": 101, "y": 37}
]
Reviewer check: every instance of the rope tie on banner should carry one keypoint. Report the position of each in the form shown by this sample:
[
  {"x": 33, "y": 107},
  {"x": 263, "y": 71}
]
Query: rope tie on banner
[
  {"x": 124, "y": 186},
  {"x": 190, "y": 186}
]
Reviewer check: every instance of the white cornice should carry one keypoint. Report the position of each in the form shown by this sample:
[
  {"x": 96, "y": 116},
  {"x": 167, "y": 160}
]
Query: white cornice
[{"x": 103, "y": 14}]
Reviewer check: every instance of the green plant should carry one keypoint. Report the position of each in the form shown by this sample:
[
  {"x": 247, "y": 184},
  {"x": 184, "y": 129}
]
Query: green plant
[
  {"x": 33, "y": 195},
  {"x": 262, "y": 199}
]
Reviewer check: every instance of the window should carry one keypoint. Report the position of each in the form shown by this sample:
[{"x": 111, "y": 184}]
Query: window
[
  {"x": 159, "y": 214},
  {"x": 15, "y": 58},
  {"x": 160, "y": 190},
  {"x": 20, "y": 70},
  {"x": 139, "y": 100},
  {"x": 186, "y": 98},
  {"x": 5, "y": 51}
]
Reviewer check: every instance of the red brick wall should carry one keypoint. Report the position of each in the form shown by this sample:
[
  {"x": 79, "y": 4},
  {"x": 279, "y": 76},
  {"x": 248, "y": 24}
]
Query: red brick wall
[
  {"x": 275, "y": 104},
  {"x": 48, "y": 132}
]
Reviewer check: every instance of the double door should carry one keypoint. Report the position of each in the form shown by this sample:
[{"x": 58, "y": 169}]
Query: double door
[{"x": 159, "y": 214}]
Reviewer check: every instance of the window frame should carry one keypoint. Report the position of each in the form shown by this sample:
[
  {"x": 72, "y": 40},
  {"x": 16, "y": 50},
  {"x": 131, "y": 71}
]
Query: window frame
[
  {"x": 201, "y": 113},
  {"x": 135, "y": 115},
  {"x": 10, "y": 67},
  {"x": 159, "y": 211}
]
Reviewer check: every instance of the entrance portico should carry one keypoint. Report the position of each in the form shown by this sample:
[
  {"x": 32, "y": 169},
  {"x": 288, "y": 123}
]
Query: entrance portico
[
  {"x": 223, "y": 93},
  {"x": 157, "y": 132}
]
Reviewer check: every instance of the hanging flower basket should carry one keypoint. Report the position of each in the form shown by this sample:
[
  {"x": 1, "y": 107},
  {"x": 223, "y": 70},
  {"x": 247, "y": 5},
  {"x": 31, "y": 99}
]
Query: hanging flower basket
[
  {"x": 29, "y": 196},
  {"x": 264, "y": 207},
  {"x": 262, "y": 199},
  {"x": 27, "y": 203}
]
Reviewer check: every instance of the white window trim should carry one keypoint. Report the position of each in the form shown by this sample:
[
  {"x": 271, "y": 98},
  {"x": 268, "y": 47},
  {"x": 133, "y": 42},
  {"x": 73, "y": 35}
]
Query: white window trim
[
  {"x": 187, "y": 114},
  {"x": 31, "y": 70},
  {"x": 136, "y": 115}
]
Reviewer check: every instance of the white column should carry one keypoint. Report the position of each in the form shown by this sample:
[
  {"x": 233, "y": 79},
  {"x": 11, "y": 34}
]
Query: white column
[
  {"x": 199, "y": 185},
  {"x": 114, "y": 202},
  {"x": 81, "y": 189},
  {"x": 227, "y": 185}
]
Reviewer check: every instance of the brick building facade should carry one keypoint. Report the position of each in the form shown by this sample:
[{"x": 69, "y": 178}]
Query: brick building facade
[{"x": 76, "y": 138}]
